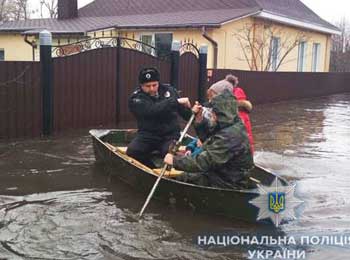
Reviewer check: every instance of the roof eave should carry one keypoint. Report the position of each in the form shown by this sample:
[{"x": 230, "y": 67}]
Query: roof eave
[
  {"x": 53, "y": 33},
  {"x": 297, "y": 23},
  {"x": 11, "y": 30},
  {"x": 241, "y": 17},
  {"x": 157, "y": 26},
  {"x": 171, "y": 26},
  {"x": 30, "y": 32}
]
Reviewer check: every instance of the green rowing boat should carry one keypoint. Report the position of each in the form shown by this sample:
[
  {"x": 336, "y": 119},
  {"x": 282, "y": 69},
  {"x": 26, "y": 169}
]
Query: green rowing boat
[{"x": 110, "y": 147}]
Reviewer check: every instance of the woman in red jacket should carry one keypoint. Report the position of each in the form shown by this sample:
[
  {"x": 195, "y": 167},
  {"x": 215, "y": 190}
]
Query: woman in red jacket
[{"x": 244, "y": 106}]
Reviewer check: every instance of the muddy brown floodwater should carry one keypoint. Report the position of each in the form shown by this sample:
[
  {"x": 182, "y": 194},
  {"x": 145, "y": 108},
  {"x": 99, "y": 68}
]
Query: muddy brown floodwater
[{"x": 55, "y": 203}]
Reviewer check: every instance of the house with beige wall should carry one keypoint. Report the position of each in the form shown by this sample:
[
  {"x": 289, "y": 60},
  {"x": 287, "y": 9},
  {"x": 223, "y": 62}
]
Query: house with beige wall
[{"x": 270, "y": 35}]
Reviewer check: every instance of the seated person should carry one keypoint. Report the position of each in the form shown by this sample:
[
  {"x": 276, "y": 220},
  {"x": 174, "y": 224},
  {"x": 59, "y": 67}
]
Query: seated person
[
  {"x": 226, "y": 157},
  {"x": 244, "y": 105},
  {"x": 155, "y": 107}
]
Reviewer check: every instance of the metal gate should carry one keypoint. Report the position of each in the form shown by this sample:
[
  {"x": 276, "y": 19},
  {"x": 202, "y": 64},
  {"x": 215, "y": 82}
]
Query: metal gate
[
  {"x": 92, "y": 80},
  {"x": 189, "y": 71}
]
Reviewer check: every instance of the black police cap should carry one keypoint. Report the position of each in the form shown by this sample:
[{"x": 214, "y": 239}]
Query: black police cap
[{"x": 148, "y": 75}]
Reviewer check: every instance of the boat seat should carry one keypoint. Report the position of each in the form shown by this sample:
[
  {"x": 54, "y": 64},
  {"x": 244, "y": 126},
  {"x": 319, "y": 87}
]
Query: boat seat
[
  {"x": 122, "y": 150},
  {"x": 173, "y": 173}
]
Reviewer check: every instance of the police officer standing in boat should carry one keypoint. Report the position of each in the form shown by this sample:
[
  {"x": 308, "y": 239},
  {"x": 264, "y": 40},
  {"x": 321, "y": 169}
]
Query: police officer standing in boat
[{"x": 155, "y": 107}]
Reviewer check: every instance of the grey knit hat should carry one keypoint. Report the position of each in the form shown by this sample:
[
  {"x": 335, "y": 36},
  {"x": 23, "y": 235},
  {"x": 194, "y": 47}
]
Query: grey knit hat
[{"x": 220, "y": 86}]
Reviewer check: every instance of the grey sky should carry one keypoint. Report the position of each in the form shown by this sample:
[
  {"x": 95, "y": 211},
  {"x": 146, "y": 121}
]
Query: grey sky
[{"x": 331, "y": 11}]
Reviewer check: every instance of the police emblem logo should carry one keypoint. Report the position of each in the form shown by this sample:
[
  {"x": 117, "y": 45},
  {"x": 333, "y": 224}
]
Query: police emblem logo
[
  {"x": 277, "y": 201},
  {"x": 167, "y": 94},
  {"x": 148, "y": 76}
]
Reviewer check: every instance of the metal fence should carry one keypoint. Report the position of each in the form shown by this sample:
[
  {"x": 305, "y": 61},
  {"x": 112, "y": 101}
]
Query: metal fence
[
  {"x": 90, "y": 88},
  {"x": 84, "y": 87},
  {"x": 20, "y": 100},
  {"x": 265, "y": 87}
]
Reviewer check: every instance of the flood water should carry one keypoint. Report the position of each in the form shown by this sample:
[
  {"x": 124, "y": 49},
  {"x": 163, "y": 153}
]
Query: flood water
[{"x": 55, "y": 203}]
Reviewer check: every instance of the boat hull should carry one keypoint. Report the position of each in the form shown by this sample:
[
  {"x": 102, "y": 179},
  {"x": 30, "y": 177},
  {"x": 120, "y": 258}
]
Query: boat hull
[{"x": 230, "y": 203}]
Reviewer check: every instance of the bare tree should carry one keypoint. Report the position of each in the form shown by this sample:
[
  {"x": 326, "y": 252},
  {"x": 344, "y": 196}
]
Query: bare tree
[
  {"x": 265, "y": 47},
  {"x": 340, "y": 54},
  {"x": 5, "y": 11},
  {"x": 50, "y": 6},
  {"x": 341, "y": 42},
  {"x": 2, "y": 10},
  {"x": 14, "y": 10},
  {"x": 22, "y": 8}
]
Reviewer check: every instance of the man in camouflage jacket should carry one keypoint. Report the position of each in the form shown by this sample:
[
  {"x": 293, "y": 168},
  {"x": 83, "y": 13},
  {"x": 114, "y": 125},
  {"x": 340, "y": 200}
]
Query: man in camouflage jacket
[{"x": 226, "y": 156}]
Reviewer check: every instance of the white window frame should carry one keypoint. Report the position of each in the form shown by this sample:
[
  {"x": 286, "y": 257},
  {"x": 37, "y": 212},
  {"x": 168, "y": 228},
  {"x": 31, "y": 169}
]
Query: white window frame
[
  {"x": 316, "y": 55},
  {"x": 152, "y": 34},
  {"x": 275, "y": 57},
  {"x": 302, "y": 56},
  {"x": 147, "y": 34}
]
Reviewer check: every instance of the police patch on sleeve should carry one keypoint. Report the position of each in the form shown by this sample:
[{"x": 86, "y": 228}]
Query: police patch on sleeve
[{"x": 167, "y": 94}]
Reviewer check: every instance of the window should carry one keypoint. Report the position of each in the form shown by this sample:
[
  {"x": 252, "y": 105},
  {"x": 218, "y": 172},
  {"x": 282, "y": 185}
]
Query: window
[
  {"x": 161, "y": 41},
  {"x": 302, "y": 56},
  {"x": 2, "y": 54},
  {"x": 275, "y": 49},
  {"x": 316, "y": 57},
  {"x": 147, "y": 39}
]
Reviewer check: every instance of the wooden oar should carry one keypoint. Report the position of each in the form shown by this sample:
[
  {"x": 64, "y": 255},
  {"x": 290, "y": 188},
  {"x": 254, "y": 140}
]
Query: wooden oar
[{"x": 166, "y": 166}]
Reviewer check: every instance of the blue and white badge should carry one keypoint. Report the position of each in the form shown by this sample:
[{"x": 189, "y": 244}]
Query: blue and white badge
[{"x": 276, "y": 202}]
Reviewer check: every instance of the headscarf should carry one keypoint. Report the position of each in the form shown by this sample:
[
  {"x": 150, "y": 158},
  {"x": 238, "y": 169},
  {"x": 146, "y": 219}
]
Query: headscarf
[{"x": 220, "y": 86}]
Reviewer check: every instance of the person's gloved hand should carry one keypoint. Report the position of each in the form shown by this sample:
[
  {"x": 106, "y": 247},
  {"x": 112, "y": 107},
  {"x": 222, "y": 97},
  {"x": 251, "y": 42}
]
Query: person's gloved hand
[
  {"x": 184, "y": 101},
  {"x": 188, "y": 153},
  {"x": 169, "y": 159},
  {"x": 197, "y": 108}
]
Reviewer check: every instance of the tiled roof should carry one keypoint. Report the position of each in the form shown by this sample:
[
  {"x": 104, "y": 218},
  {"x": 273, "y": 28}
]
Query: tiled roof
[
  {"x": 164, "y": 20},
  {"x": 294, "y": 9},
  {"x": 289, "y": 8},
  {"x": 181, "y": 19},
  {"x": 102, "y": 14},
  {"x": 79, "y": 25},
  {"x": 142, "y": 7}
]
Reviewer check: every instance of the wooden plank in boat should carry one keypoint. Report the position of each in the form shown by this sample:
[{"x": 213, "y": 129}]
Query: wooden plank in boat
[{"x": 122, "y": 152}]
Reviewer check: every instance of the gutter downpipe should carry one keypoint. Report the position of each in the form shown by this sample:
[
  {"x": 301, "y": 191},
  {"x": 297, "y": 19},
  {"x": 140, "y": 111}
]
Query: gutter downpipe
[
  {"x": 215, "y": 47},
  {"x": 31, "y": 44}
]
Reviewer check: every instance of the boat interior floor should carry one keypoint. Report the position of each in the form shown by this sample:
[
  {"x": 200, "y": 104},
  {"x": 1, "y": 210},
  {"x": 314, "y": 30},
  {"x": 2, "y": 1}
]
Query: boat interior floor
[
  {"x": 258, "y": 175},
  {"x": 156, "y": 158}
]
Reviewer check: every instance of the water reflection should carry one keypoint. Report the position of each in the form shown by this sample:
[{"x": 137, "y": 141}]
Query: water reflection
[
  {"x": 91, "y": 224},
  {"x": 316, "y": 151},
  {"x": 57, "y": 204}
]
